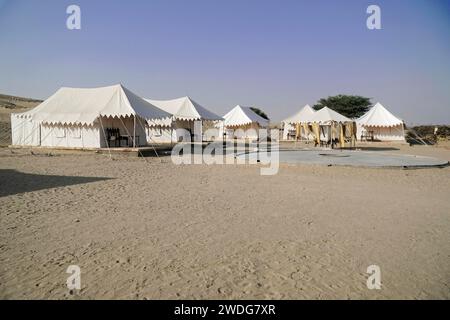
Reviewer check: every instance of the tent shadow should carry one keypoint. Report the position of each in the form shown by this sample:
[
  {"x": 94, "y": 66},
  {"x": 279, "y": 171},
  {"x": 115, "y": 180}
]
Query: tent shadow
[{"x": 16, "y": 182}]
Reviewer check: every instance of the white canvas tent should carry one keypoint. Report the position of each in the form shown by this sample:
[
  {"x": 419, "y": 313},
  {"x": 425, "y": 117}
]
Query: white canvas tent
[
  {"x": 326, "y": 127},
  {"x": 187, "y": 115},
  {"x": 326, "y": 116},
  {"x": 289, "y": 124},
  {"x": 243, "y": 123},
  {"x": 382, "y": 124},
  {"x": 79, "y": 117}
]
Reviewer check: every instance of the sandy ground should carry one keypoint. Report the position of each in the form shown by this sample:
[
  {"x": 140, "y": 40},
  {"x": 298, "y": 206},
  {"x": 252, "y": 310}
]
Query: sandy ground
[{"x": 151, "y": 230}]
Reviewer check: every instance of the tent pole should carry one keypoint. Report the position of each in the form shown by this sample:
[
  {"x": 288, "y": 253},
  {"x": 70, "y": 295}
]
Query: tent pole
[
  {"x": 104, "y": 136},
  {"x": 172, "y": 123},
  {"x": 331, "y": 134},
  {"x": 134, "y": 131}
]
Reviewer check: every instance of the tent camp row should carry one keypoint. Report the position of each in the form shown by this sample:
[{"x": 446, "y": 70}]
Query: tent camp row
[
  {"x": 378, "y": 124},
  {"x": 114, "y": 116}
]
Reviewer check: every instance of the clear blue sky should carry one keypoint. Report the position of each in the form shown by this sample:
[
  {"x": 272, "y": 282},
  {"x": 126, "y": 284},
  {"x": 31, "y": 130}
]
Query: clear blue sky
[{"x": 277, "y": 55}]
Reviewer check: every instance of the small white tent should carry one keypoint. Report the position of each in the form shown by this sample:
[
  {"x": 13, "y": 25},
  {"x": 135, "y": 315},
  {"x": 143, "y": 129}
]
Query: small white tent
[
  {"x": 243, "y": 123},
  {"x": 381, "y": 124},
  {"x": 289, "y": 125},
  {"x": 80, "y": 117},
  {"x": 325, "y": 127},
  {"x": 188, "y": 117},
  {"x": 326, "y": 116}
]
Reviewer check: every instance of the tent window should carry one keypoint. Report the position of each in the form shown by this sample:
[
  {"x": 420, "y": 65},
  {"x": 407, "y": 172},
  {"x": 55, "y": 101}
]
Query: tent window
[
  {"x": 60, "y": 132},
  {"x": 75, "y": 132}
]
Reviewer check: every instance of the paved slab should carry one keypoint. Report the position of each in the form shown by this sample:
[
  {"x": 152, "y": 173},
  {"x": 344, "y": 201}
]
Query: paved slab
[{"x": 351, "y": 158}]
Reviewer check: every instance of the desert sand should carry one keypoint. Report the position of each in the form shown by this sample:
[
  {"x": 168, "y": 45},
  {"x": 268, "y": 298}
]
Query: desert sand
[{"x": 148, "y": 229}]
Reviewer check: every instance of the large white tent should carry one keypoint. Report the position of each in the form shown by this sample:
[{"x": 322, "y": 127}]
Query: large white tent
[
  {"x": 289, "y": 124},
  {"x": 82, "y": 117},
  {"x": 381, "y": 124},
  {"x": 188, "y": 121},
  {"x": 243, "y": 123}
]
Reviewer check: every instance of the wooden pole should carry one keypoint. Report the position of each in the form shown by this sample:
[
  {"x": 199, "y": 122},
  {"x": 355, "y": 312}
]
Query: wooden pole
[{"x": 134, "y": 131}]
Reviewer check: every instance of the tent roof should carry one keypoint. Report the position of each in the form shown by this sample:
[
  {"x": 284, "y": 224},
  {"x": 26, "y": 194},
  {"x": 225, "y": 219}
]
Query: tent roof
[
  {"x": 239, "y": 116},
  {"x": 85, "y": 105},
  {"x": 185, "y": 109},
  {"x": 379, "y": 116},
  {"x": 304, "y": 115},
  {"x": 326, "y": 115}
]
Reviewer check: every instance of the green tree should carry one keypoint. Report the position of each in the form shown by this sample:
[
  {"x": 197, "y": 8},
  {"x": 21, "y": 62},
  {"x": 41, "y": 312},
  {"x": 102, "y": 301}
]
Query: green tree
[
  {"x": 260, "y": 113},
  {"x": 349, "y": 106}
]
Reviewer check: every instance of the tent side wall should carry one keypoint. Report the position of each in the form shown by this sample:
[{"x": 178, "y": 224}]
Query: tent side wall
[
  {"x": 287, "y": 127},
  {"x": 25, "y": 132},
  {"x": 248, "y": 131},
  {"x": 89, "y": 136},
  {"x": 159, "y": 134},
  {"x": 291, "y": 128},
  {"x": 183, "y": 127},
  {"x": 395, "y": 133},
  {"x": 213, "y": 130},
  {"x": 180, "y": 131},
  {"x": 70, "y": 136}
]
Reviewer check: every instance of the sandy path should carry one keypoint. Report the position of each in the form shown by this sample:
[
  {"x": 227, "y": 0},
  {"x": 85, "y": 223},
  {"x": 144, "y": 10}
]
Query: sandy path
[{"x": 156, "y": 230}]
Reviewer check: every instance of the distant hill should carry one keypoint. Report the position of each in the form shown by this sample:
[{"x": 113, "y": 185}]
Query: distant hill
[
  {"x": 10, "y": 104},
  {"x": 13, "y": 102}
]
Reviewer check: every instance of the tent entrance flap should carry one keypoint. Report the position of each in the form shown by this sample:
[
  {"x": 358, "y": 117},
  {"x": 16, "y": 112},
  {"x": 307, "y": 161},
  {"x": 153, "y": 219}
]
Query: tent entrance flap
[{"x": 123, "y": 132}]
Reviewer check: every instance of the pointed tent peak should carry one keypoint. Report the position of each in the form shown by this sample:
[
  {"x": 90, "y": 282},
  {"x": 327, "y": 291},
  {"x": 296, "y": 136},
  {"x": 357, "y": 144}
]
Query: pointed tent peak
[
  {"x": 185, "y": 108},
  {"x": 379, "y": 116},
  {"x": 379, "y": 106},
  {"x": 235, "y": 109},
  {"x": 252, "y": 114},
  {"x": 245, "y": 109},
  {"x": 326, "y": 114},
  {"x": 307, "y": 108},
  {"x": 303, "y": 115},
  {"x": 240, "y": 115}
]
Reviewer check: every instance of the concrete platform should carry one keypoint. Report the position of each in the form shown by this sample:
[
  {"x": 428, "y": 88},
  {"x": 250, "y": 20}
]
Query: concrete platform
[
  {"x": 351, "y": 158},
  {"x": 147, "y": 151}
]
